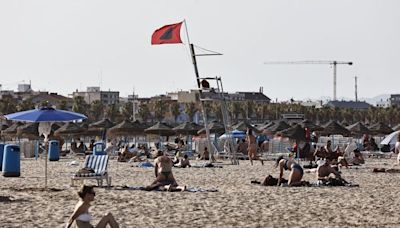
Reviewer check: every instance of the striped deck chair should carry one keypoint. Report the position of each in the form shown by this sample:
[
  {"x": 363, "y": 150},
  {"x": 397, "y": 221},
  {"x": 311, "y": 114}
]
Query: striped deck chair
[{"x": 96, "y": 163}]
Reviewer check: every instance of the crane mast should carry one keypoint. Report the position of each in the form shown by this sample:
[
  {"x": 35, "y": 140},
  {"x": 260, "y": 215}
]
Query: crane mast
[{"x": 333, "y": 63}]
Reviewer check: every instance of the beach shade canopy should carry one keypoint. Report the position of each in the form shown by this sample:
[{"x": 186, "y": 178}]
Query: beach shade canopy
[
  {"x": 380, "y": 129},
  {"x": 29, "y": 130},
  {"x": 279, "y": 126},
  {"x": 3, "y": 126},
  {"x": 310, "y": 125},
  {"x": 244, "y": 125},
  {"x": 45, "y": 114},
  {"x": 236, "y": 134},
  {"x": 161, "y": 129},
  {"x": 68, "y": 129},
  {"x": 215, "y": 127},
  {"x": 266, "y": 125},
  {"x": 12, "y": 130},
  {"x": 187, "y": 128},
  {"x": 127, "y": 128},
  {"x": 396, "y": 128},
  {"x": 334, "y": 128},
  {"x": 358, "y": 129},
  {"x": 390, "y": 139},
  {"x": 296, "y": 132},
  {"x": 102, "y": 124}
]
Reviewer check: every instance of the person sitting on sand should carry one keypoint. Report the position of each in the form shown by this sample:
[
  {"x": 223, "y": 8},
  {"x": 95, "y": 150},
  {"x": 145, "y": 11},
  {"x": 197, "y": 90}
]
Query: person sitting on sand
[
  {"x": 296, "y": 171},
  {"x": 81, "y": 214},
  {"x": 163, "y": 172},
  {"x": 324, "y": 169},
  {"x": 184, "y": 162}
]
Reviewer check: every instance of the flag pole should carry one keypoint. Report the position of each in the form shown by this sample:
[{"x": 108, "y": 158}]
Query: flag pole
[{"x": 196, "y": 71}]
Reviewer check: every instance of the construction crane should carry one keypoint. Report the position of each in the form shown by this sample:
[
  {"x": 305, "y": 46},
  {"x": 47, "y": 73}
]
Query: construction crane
[{"x": 332, "y": 63}]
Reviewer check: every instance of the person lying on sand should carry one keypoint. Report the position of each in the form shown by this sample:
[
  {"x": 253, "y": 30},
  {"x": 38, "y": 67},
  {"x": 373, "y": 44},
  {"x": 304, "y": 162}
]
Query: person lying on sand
[
  {"x": 81, "y": 214},
  {"x": 296, "y": 171},
  {"x": 163, "y": 172}
]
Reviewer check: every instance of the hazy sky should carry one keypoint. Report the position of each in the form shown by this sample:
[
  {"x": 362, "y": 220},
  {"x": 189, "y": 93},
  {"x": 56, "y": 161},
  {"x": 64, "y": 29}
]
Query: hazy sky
[{"x": 61, "y": 46}]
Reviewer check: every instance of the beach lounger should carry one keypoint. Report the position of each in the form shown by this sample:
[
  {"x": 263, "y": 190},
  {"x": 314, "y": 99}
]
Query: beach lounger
[{"x": 97, "y": 167}]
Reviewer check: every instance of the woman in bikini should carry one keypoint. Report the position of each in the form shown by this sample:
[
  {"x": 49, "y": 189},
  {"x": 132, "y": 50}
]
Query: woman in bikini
[
  {"x": 81, "y": 214},
  {"x": 296, "y": 171},
  {"x": 252, "y": 147}
]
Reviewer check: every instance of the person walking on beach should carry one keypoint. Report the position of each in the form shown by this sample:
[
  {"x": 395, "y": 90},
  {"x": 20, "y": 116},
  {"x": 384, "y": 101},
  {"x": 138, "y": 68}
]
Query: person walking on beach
[
  {"x": 81, "y": 214},
  {"x": 296, "y": 171},
  {"x": 252, "y": 146}
]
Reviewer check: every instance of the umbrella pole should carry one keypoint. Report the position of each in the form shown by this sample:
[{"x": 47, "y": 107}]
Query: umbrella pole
[{"x": 45, "y": 161}]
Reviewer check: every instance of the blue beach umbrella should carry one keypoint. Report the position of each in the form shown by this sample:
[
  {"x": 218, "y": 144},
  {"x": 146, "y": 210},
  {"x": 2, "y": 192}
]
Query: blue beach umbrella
[{"x": 45, "y": 116}]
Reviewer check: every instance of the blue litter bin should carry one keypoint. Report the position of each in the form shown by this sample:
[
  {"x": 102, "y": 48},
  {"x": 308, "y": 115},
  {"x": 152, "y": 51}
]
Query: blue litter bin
[
  {"x": 54, "y": 150},
  {"x": 98, "y": 149},
  {"x": 11, "y": 161},
  {"x": 1, "y": 155}
]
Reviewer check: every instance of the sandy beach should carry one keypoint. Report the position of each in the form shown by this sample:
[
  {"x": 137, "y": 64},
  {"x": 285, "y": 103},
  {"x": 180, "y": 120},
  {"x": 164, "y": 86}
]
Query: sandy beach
[{"x": 238, "y": 203}]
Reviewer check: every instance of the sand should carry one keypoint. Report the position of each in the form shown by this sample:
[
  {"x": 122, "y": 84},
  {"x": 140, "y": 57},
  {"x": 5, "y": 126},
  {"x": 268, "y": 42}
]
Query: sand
[{"x": 23, "y": 203}]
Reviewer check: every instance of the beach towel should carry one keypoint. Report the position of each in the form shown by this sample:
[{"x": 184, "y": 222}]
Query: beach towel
[
  {"x": 383, "y": 170},
  {"x": 206, "y": 165},
  {"x": 145, "y": 165},
  {"x": 188, "y": 189}
]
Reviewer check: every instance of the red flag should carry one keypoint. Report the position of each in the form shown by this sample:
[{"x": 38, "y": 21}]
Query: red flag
[{"x": 168, "y": 34}]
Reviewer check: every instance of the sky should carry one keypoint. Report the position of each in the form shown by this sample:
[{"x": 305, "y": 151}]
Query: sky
[{"x": 67, "y": 45}]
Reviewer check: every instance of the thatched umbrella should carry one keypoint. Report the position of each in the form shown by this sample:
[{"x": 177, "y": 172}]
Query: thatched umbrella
[
  {"x": 296, "y": 132},
  {"x": 279, "y": 126},
  {"x": 69, "y": 129},
  {"x": 214, "y": 127},
  {"x": 310, "y": 125},
  {"x": 266, "y": 125},
  {"x": 396, "y": 128},
  {"x": 243, "y": 126},
  {"x": 12, "y": 130},
  {"x": 187, "y": 128},
  {"x": 3, "y": 126},
  {"x": 161, "y": 129},
  {"x": 358, "y": 129},
  {"x": 103, "y": 124},
  {"x": 127, "y": 128},
  {"x": 380, "y": 129},
  {"x": 334, "y": 128},
  {"x": 29, "y": 131}
]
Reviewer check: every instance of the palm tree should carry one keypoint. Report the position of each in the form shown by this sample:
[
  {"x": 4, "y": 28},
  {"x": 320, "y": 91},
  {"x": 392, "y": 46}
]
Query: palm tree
[
  {"x": 144, "y": 112},
  {"x": 190, "y": 110},
  {"x": 26, "y": 105},
  {"x": 96, "y": 111},
  {"x": 79, "y": 105},
  {"x": 236, "y": 110},
  {"x": 159, "y": 109},
  {"x": 174, "y": 108},
  {"x": 8, "y": 105},
  {"x": 62, "y": 104},
  {"x": 112, "y": 112},
  {"x": 127, "y": 110}
]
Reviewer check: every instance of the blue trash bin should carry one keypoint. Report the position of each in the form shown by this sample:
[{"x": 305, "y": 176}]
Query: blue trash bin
[
  {"x": 54, "y": 150},
  {"x": 1, "y": 155},
  {"x": 11, "y": 161},
  {"x": 98, "y": 149}
]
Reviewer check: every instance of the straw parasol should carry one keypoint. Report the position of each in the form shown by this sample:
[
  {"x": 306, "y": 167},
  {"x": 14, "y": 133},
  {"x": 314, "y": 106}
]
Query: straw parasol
[
  {"x": 214, "y": 127},
  {"x": 310, "y": 125},
  {"x": 103, "y": 124},
  {"x": 29, "y": 131},
  {"x": 296, "y": 132},
  {"x": 334, "y": 128},
  {"x": 358, "y": 129},
  {"x": 396, "y": 128},
  {"x": 12, "y": 130},
  {"x": 279, "y": 126},
  {"x": 380, "y": 129},
  {"x": 187, "y": 128},
  {"x": 266, "y": 125},
  {"x": 69, "y": 129},
  {"x": 243, "y": 126},
  {"x": 127, "y": 128},
  {"x": 161, "y": 129}
]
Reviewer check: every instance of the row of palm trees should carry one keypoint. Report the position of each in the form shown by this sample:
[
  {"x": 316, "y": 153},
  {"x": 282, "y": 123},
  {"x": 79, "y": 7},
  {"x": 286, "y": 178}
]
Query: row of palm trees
[{"x": 168, "y": 110}]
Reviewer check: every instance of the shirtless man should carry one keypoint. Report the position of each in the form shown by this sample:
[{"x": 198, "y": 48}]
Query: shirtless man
[
  {"x": 324, "y": 170},
  {"x": 163, "y": 171}
]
